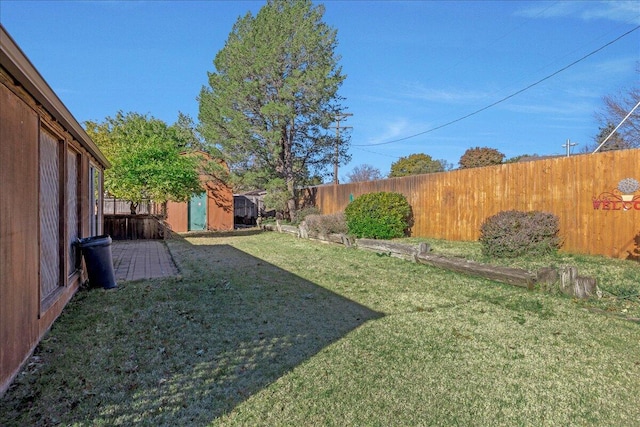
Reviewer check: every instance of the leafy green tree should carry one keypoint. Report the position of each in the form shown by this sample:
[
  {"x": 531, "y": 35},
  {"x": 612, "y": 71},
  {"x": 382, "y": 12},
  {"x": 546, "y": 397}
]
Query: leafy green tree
[
  {"x": 188, "y": 137},
  {"x": 415, "y": 164},
  {"x": 363, "y": 173},
  {"x": 273, "y": 95},
  {"x": 146, "y": 160},
  {"x": 480, "y": 156}
]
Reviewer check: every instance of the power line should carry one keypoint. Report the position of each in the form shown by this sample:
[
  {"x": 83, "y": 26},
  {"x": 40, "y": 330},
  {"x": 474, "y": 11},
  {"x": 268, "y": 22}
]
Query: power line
[
  {"x": 379, "y": 154},
  {"x": 505, "y": 98},
  {"x": 616, "y": 128}
]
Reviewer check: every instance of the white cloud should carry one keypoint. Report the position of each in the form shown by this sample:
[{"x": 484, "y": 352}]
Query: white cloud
[
  {"x": 614, "y": 11},
  {"x": 619, "y": 66},
  {"x": 385, "y": 130},
  {"x": 619, "y": 11},
  {"x": 391, "y": 130}
]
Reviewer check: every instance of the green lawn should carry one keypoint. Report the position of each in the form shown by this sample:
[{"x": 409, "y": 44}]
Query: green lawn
[{"x": 266, "y": 329}]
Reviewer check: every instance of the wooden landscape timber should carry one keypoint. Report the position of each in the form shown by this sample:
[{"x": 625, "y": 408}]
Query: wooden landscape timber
[
  {"x": 397, "y": 250},
  {"x": 290, "y": 229},
  {"x": 565, "y": 279},
  {"x": 339, "y": 238},
  {"x": 512, "y": 276},
  {"x": 282, "y": 228},
  {"x": 269, "y": 227}
]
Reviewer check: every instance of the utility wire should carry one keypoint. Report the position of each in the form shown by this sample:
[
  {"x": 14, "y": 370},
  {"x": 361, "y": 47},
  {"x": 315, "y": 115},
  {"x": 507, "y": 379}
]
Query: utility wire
[
  {"x": 506, "y": 97},
  {"x": 616, "y": 128},
  {"x": 379, "y": 154}
]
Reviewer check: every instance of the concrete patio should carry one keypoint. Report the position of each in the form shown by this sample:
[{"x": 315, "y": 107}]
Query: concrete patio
[{"x": 141, "y": 259}]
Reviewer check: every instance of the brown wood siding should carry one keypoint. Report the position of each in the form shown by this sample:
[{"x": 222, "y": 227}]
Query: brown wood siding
[
  {"x": 18, "y": 232},
  {"x": 29, "y": 110},
  {"x": 177, "y": 216},
  {"x": 453, "y": 205},
  {"x": 25, "y": 313},
  {"x": 219, "y": 207}
]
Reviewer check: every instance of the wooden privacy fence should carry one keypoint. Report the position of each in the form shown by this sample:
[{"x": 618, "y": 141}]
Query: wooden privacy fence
[
  {"x": 134, "y": 227},
  {"x": 595, "y": 216},
  {"x": 113, "y": 206}
]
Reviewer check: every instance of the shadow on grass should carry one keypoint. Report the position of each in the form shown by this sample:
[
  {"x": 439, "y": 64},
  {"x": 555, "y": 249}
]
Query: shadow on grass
[{"x": 180, "y": 351}]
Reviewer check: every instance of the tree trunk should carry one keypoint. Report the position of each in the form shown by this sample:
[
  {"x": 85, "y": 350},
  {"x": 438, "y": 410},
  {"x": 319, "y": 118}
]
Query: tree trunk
[
  {"x": 291, "y": 203},
  {"x": 286, "y": 168}
]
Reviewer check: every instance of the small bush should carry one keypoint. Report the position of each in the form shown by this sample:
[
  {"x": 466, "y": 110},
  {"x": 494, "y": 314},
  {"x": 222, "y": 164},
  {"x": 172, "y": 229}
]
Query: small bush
[
  {"x": 326, "y": 224},
  {"x": 379, "y": 216},
  {"x": 301, "y": 214},
  {"x": 510, "y": 234}
]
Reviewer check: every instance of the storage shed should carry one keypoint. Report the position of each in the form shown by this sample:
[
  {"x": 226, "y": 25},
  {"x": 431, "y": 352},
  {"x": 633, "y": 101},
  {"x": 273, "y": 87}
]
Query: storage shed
[
  {"x": 211, "y": 210},
  {"x": 248, "y": 207},
  {"x": 50, "y": 195}
]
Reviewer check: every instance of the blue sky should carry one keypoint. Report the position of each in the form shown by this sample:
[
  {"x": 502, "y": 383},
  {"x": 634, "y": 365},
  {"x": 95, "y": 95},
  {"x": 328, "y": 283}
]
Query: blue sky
[{"x": 411, "y": 66}]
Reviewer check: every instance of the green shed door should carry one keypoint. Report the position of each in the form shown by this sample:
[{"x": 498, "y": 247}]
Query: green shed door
[{"x": 198, "y": 212}]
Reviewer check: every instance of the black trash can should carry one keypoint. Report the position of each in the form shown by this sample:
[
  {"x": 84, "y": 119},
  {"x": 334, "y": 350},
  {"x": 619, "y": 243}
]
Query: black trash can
[{"x": 97, "y": 257}]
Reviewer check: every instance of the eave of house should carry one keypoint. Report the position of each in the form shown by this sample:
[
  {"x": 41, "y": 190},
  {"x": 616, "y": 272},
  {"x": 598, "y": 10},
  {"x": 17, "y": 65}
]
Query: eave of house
[{"x": 22, "y": 70}]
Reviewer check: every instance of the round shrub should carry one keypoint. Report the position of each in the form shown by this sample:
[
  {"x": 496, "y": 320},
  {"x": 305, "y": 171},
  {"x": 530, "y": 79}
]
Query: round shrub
[
  {"x": 379, "y": 216},
  {"x": 509, "y": 234},
  {"x": 303, "y": 213},
  {"x": 326, "y": 224}
]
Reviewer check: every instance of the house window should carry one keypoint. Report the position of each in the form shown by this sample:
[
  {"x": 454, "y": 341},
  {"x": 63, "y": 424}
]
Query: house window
[
  {"x": 72, "y": 210},
  {"x": 95, "y": 191},
  {"x": 51, "y": 258}
]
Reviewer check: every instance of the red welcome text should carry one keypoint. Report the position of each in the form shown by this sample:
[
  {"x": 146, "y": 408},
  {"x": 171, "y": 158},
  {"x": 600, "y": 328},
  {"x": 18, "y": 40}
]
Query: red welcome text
[
  {"x": 615, "y": 205},
  {"x": 613, "y": 202}
]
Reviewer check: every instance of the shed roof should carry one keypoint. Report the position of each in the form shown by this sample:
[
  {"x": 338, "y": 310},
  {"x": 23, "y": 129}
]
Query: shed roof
[{"x": 22, "y": 70}]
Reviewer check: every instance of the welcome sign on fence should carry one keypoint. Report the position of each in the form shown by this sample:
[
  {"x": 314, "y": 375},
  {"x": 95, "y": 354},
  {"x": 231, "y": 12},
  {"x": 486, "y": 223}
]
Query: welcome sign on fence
[{"x": 622, "y": 198}]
